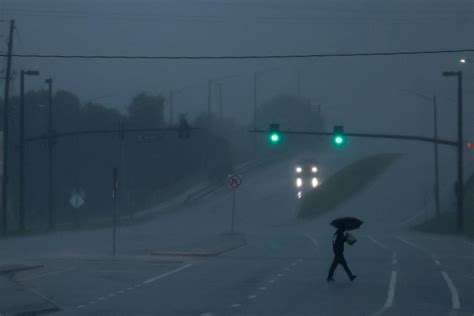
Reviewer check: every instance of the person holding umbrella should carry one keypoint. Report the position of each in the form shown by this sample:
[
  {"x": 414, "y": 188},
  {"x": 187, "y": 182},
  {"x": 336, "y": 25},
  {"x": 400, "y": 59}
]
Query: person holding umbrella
[{"x": 340, "y": 237}]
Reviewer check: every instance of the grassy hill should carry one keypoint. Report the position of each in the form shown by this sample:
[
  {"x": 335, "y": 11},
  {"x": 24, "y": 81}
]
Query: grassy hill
[{"x": 344, "y": 184}]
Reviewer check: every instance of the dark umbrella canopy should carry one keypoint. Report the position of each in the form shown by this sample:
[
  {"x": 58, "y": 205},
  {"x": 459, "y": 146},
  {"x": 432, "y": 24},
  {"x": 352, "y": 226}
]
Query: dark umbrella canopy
[{"x": 347, "y": 223}]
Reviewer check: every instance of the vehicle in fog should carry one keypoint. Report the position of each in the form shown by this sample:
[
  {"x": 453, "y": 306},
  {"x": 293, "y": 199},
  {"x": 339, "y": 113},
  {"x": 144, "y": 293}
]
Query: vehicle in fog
[{"x": 306, "y": 175}]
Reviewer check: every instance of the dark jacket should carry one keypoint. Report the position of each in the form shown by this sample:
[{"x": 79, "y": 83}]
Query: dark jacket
[{"x": 340, "y": 237}]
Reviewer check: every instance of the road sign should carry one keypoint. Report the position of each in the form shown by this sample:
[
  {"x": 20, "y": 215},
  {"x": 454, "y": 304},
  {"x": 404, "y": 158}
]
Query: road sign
[
  {"x": 78, "y": 197},
  {"x": 234, "y": 181}
]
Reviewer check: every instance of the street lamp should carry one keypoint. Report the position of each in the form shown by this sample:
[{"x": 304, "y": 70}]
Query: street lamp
[
  {"x": 21, "y": 205},
  {"x": 49, "y": 82},
  {"x": 435, "y": 134},
  {"x": 463, "y": 60},
  {"x": 460, "y": 182}
]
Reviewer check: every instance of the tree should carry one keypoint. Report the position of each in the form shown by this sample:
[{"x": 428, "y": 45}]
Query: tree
[{"x": 146, "y": 111}]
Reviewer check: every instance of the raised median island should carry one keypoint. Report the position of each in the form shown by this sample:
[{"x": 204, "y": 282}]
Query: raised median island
[{"x": 344, "y": 184}]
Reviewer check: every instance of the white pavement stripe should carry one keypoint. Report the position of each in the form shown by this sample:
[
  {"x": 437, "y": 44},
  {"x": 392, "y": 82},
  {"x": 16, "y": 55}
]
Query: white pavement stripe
[
  {"x": 413, "y": 217},
  {"x": 378, "y": 243},
  {"x": 263, "y": 288},
  {"x": 252, "y": 297},
  {"x": 437, "y": 262},
  {"x": 235, "y": 305},
  {"x": 390, "y": 295},
  {"x": 80, "y": 306},
  {"x": 408, "y": 243},
  {"x": 48, "y": 274},
  {"x": 167, "y": 274},
  {"x": 453, "y": 290},
  {"x": 314, "y": 241},
  {"x": 391, "y": 290},
  {"x": 394, "y": 258}
]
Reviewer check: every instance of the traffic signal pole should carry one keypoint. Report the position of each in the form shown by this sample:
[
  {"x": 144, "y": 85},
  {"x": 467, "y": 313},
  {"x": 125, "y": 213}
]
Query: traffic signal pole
[{"x": 6, "y": 110}]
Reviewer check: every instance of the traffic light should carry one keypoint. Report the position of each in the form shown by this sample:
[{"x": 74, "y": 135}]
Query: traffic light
[
  {"x": 274, "y": 136},
  {"x": 338, "y": 137},
  {"x": 469, "y": 145},
  {"x": 183, "y": 130}
]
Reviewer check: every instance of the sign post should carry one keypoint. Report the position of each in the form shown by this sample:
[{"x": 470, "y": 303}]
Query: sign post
[
  {"x": 114, "y": 220},
  {"x": 234, "y": 181}
]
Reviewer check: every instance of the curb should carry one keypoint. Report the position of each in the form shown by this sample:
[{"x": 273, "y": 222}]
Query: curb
[{"x": 13, "y": 268}]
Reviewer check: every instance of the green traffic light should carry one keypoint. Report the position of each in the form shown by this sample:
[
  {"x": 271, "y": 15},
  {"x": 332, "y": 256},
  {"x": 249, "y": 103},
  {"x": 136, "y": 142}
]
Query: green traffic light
[
  {"x": 274, "y": 137},
  {"x": 338, "y": 140}
]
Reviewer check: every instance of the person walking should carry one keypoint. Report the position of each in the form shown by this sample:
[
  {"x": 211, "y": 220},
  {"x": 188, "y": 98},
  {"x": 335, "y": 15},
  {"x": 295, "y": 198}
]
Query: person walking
[{"x": 340, "y": 237}]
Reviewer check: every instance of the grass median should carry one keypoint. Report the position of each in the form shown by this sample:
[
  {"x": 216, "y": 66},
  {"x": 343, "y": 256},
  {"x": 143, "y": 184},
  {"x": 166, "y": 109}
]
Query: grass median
[
  {"x": 344, "y": 184},
  {"x": 447, "y": 221}
]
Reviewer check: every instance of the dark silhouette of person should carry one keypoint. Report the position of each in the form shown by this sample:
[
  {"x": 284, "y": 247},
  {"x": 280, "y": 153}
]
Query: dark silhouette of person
[{"x": 340, "y": 237}]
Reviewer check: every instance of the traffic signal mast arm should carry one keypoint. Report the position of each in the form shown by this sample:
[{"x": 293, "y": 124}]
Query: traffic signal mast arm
[
  {"x": 111, "y": 131},
  {"x": 365, "y": 135}
]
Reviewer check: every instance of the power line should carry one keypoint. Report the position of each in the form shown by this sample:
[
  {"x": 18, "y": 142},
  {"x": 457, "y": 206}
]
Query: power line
[{"x": 289, "y": 56}]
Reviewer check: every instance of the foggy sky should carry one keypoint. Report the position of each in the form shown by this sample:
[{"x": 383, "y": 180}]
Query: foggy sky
[{"x": 364, "y": 94}]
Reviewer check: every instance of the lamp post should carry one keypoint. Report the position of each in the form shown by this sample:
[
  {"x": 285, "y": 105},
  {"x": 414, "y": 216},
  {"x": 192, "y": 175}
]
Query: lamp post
[
  {"x": 21, "y": 206},
  {"x": 460, "y": 181}
]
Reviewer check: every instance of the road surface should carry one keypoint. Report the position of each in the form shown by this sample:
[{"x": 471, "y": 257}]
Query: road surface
[{"x": 282, "y": 268}]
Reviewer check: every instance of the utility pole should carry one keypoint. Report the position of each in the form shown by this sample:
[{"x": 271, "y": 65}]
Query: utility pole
[
  {"x": 171, "y": 107},
  {"x": 460, "y": 156},
  {"x": 51, "y": 142},
  {"x": 6, "y": 110},
  {"x": 460, "y": 182},
  {"x": 209, "y": 91},
  {"x": 436, "y": 164},
  {"x": 255, "y": 113},
  {"x": 21, "y": 191},
  {"x": 219, "y": 85}
]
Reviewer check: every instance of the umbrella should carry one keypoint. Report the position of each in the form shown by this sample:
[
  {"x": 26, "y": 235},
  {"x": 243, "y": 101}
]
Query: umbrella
[{"x": 347, "y": 223}]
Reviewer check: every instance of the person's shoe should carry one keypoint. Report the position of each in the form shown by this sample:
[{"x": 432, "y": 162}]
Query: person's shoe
[
  {"x": 330, "y": 280},
  {"x": 353, "y": 277}
]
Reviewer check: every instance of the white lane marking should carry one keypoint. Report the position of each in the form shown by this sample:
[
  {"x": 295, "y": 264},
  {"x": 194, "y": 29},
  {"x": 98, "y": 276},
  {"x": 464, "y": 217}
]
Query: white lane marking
[
  {"x": 314, "y": 241},
  {"x": 235, "y": 305},
  {"x": 391, "y": 290},
  {"x": 111, "y": 294},
  {"x": 167, "y": 274},
  {"x": 101, "y": 298},
  {"x": 394, "y": 258},
  {"x": 129, "y": 289},
  {"x": 293, "y": 264},
  {"x": 92, "y": 302},
  {"x": 263, "y": 288},
  {"x": 272, "y": 281},
  {"x": 121, "y": 291},
  {"x": 409, "y": 243},
  {"x": 437, "y": 262},
  {"x": 280, "y": 275},
  {"x": 80, "y": 306},
  {"x": 378, "y": 243},
  {"x": 390, "y": 295},
  {"x": 47, "y": 274},
  {"x": 413, "y": 217},
  {"x": 206, "y": 314},
  {"x": 138, "y": 285},
  {"x": 252, "y": 296},
  {"x": 287, "y": 269},
  {"x": 453, "y": 290}
]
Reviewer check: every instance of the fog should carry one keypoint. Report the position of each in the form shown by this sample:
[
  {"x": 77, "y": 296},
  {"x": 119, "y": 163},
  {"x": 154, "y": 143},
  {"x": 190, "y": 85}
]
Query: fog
[
  {"x": 352, "y": 91},
  {"x": 173, "y": 238}
]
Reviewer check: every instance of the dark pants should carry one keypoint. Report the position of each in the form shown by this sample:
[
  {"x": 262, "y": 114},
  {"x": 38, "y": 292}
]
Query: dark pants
[{"x": 339, "y": 259}]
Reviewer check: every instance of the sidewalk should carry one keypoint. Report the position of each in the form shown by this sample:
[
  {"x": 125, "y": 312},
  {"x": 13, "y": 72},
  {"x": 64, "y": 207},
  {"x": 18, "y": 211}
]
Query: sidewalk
[{"x": 16, "y": 300}]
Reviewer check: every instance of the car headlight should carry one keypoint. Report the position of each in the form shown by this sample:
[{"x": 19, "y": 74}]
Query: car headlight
[
  {"x": 299, "y": 182},
  {"x": 299, "y": 169},
  {"x": 315, "y": 182},
  {"x": 314, "y": 169},
  {"x": 300, "y": 194}
]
